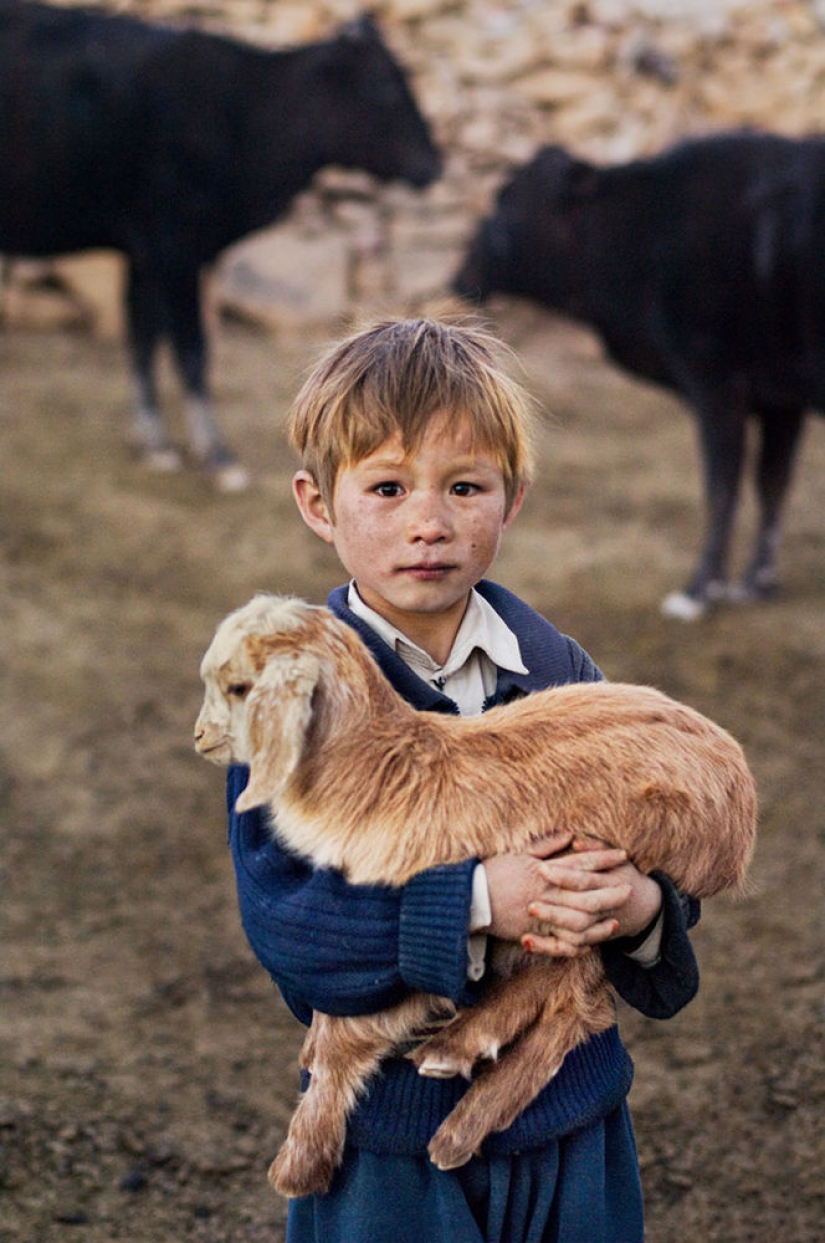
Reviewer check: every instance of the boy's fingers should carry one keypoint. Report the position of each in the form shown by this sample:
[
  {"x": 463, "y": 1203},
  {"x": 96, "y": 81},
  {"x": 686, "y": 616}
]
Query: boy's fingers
[
  {"x": 555, "y": 948},
  {"x": 576, "y": 911},
  {"x": 581, "y": 871},
  {"x": 560, "y": 943},
  {"x": 583, "y": 842},
  {"x": 546, "y": 847}
]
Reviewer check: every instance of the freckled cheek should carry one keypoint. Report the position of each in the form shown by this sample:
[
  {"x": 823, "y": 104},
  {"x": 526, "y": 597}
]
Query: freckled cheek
[
  {"x": 366, "y": 537},
  {"x": 483, "y": 540},
  {"x": 356, "y": 521},
  {"x": 480, "y": 554},
  {"x": 375, "y": 532}
]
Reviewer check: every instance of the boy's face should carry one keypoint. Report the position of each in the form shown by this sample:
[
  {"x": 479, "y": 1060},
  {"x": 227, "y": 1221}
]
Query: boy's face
[{"x": 416, "y": 532}]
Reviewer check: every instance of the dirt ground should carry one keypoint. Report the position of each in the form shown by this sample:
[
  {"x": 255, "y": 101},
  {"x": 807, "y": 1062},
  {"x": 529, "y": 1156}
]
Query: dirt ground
[{"x": 147, "y": 1065}]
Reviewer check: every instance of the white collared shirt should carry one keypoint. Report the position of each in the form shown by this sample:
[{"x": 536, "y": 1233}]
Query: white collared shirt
[{"x": 468, "y": 676}]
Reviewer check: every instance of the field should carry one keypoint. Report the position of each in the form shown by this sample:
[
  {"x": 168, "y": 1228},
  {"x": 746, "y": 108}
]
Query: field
[{"x": 147, "y": 1065}]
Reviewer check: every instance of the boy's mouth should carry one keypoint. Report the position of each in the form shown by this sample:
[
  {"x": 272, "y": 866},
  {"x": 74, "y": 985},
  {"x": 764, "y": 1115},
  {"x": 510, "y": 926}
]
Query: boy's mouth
[{"x": 427, "y": 570}]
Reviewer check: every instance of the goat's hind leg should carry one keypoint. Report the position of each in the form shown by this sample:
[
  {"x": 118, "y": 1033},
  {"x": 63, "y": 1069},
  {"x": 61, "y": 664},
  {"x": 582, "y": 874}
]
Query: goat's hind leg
[
  {"x": 341, "y": 1061},
  {"x": 342, "y": 1054}
]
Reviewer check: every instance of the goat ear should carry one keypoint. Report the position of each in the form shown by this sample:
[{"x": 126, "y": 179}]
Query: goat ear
[{"x": 279, "y": 711}]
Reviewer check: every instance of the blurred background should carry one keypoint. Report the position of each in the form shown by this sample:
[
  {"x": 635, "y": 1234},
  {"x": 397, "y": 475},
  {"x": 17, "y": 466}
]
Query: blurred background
[{"x": 147, "y": 1065}]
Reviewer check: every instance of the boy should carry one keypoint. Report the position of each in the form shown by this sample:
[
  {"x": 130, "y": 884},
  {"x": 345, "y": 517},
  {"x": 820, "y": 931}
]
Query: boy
[{"x": 415, "y": 458}]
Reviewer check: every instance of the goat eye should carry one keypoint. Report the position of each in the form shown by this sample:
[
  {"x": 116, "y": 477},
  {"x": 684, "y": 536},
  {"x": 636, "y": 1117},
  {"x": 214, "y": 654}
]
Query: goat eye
[{"x": 238, "y": 690}]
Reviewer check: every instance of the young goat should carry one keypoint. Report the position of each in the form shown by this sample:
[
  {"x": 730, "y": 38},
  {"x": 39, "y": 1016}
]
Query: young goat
[{"x": 357, "y": 780}]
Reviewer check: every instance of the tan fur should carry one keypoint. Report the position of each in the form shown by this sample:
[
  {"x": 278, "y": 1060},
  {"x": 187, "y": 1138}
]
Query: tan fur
[{"x": 360, "y": 781}]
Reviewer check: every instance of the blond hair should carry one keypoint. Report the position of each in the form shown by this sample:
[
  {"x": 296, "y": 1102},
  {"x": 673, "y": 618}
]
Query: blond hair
[{"x": 391, "y": 378}]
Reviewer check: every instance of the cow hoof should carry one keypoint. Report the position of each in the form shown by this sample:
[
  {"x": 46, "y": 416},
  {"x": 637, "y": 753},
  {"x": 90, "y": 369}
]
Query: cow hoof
[
  {"x": 748, "y": 592},
  {"x": 230, "y": 478},
  {"x": 166, "y": 461},
  {"x": 684, "y": 607}
]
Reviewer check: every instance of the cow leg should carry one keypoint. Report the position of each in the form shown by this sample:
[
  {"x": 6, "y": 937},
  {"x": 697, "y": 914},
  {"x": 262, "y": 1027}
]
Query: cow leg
[
  {"x": 145, "y": 319},
  {"x": 781, "y": 433},
  {"x": 722, "y": 437},
  {"x": 190, "y": 348}
]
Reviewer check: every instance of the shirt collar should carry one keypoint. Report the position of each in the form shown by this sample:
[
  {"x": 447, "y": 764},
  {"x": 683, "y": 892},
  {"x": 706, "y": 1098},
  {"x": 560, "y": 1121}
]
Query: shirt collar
[{"x": 481, "y": 627}]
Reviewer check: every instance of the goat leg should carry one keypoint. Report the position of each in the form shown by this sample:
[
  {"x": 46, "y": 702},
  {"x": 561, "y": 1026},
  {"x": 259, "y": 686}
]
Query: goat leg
[
  {"x": 506, "y": 1087},
  {"x": 342, "y": 1054},
  {"x": 481, "y": 1031},
  {"x": 311, "y": 1042}
]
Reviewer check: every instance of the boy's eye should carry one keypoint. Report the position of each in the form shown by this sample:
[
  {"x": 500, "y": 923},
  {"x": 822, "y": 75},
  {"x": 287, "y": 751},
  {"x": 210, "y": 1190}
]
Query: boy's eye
[
  {"x": 387, "y": 489},
  {"x": 465, "y": 488}
]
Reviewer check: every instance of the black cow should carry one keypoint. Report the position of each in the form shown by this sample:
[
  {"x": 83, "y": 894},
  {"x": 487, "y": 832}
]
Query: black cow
[
  {"x": 702, "y": 269},
  {"x": 169, "y": 144}
]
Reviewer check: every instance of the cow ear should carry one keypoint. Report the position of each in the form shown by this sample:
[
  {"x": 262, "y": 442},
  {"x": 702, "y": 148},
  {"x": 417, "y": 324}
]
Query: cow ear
[
  {"x": 564, "y": 175},
  {"x": 359, "y": 29},
  {"x": 582, "y": 179},
  {"x": 278, "y": 716}
]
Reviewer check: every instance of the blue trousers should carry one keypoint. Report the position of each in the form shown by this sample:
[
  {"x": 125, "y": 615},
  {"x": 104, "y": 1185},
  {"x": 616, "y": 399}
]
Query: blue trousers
[{"x": 584, "y": 1188}]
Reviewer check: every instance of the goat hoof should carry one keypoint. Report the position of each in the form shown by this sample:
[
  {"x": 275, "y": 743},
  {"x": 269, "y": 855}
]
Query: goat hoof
[
  {"x": 447, "y": 1064},
  {"x": 453, "y": 1052},
  {"x": 291, "y": 1178},
  {"x": 446, "y": 1155},
  {"x": 441, "y": 1068}
]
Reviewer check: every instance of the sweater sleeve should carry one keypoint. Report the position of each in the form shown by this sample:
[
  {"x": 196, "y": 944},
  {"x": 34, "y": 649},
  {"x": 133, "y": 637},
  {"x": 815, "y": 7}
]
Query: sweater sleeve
[
  {"x": 583, "y": 666},
  {"x": 661, "y": 990},
  {"x": 340, "y": 948}
]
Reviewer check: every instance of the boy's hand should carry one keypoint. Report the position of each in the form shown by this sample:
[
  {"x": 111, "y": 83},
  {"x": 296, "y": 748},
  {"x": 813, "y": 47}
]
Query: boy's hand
[
  {"x": 514, "y": 881},
  {"x": 586, "y": 897}
]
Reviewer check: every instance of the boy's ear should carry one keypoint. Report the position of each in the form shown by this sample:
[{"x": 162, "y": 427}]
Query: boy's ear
[
  {"x": 313, "y": 507},
  {"x": 518, "y": 501}
]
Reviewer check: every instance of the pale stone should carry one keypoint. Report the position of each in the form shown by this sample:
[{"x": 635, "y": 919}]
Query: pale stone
[
  {"x": 98, "y": 278},
  {"x": 75, "y": 291},
  {"x": 415, "y": 10},
  {"x": 425, "y": 271},
  {"x": 275, "y": 277},
  {"x": 555, "y": 86}
]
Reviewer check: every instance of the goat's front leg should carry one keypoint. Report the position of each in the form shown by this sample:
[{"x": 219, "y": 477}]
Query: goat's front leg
[
  {"x": 478, "y": 1033},
  {"x": 342, "y": 1054}
]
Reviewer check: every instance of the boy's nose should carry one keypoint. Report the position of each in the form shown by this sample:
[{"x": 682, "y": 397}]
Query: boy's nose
[{"x": 429, "y": 520}]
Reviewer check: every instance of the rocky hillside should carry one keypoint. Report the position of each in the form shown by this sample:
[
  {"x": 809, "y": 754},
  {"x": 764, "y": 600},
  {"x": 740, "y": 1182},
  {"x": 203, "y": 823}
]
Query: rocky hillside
[{"x": 610, "y": 78}]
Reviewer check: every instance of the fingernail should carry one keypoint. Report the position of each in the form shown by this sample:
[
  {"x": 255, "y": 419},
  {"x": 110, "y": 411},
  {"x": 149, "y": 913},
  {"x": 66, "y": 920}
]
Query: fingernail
[{"x": 527, "y": 945}]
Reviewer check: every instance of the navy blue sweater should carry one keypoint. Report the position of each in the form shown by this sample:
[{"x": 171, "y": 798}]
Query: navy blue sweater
[{"x": 346, "y": 949}]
